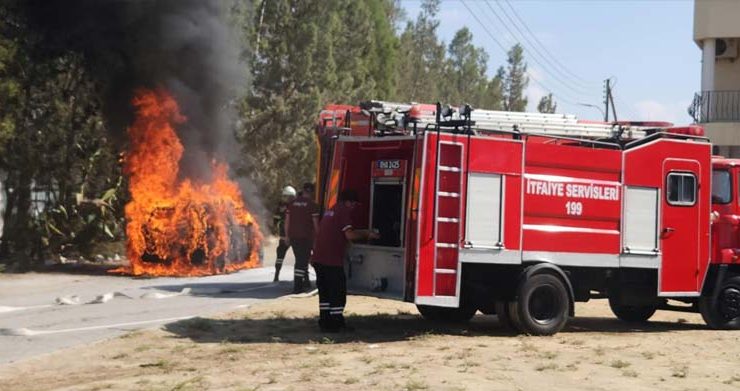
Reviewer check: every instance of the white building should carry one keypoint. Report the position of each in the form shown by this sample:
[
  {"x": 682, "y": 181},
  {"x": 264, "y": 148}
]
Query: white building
[{"x": 717, "y": 105}]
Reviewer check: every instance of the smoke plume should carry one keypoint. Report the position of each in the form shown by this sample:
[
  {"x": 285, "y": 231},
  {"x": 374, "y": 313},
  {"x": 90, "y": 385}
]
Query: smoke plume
[{"x": 185, "y": 46}]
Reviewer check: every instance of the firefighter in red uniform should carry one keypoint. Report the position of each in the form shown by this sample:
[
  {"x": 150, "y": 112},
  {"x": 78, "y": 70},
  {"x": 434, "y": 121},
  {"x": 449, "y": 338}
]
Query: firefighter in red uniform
[
  {"x": 301, "y": 224},
  {"x": 278, "y": 220},
  {"x": 335, "y": 230}
]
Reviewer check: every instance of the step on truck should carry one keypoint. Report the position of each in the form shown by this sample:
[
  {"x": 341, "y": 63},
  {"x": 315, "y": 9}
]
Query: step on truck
[{"x": 524, "y": 214}]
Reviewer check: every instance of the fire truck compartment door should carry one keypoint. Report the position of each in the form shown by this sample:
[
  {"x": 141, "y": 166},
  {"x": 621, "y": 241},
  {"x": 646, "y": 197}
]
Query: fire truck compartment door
[
  {"x": 376, "y": 271},
  {"x": 679, "y": 230},
  {"x": 483, "y": 219}
]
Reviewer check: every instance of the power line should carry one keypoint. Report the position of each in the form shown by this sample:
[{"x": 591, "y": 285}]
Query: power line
[
  {"x": 544, "y": 48},
  {"x": 503, "y": 49},
  {"x": 546, "y": 68}
]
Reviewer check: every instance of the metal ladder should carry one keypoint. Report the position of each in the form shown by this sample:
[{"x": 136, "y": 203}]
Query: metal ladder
[
  {"x": 562, "y": 125},
  {"x": 448, "y": 204}
]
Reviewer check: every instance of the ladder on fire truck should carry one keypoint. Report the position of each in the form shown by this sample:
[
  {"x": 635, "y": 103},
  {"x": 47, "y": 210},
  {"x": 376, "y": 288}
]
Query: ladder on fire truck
[{"x": 557, "y": 125}]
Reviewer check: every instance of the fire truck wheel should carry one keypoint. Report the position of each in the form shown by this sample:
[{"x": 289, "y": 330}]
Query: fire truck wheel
[
  {"x": 445, "y": 314},
  {"x": 504, "y": 317},
  {"x": 630, "y": 313},
  {"x": 724, "y": 313},
  {"x": 542, "y": 305}
]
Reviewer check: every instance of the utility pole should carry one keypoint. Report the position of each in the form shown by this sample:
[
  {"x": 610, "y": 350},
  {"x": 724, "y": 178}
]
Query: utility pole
[
  {"x": 606, "y": 99},
  {"x": 609, "y": 100}
]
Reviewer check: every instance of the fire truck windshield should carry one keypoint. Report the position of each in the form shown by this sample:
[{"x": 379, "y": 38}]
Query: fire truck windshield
[{"x": 721, "y": 187}]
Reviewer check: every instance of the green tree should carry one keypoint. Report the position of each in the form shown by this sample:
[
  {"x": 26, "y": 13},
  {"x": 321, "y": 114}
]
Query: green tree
[
  {"x": 493, "y": 95},
  {"x": 62, "y": 178},
  {"x": 310, "y": 53},
  {"x": 422, "y": 60},
  {"x": 547, "y": 104},
  {"x": 516, "y": 80},
  {"x": 465, "y": 76}
]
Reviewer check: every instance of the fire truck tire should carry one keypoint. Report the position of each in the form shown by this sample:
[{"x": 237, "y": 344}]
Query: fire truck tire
[
  {"x": 542, "y": 305},
  {"x": 445, "y": 314},
  {"x": 504, "y": 317},
  {"x": 722, "y": 314},
  {"x": 629, "y": 313}
]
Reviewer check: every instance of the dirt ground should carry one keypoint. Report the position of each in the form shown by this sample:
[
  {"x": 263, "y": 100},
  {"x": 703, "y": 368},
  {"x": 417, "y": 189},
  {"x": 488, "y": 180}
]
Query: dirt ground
[{"x": 276, "y": 346}]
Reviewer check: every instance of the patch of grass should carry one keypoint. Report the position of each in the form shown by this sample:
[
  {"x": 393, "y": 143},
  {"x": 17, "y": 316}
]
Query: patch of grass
[
  {"x": 231, "y": 350},
  {"x": 119, "y": 356},
  {"x": 326, "y": 341},
  {"x": 572, "y": 366},
  {"x": 132, "y": 334},
  {"x": 619, "y": 364},
  {"x": 680, "y": 372},
  {"x": 162, "y": 364},
  {"x": 198, "y": 325},
  {"x": 629, "y": 373},
  {"x": 577, "y": 342},
  {"x": 142, "y": 348},
  {"x": 328, "y": 362},
  {"x": 549, "y": 355},
  {"x": 351, "y": 380},
  {"x": 648, "y": 355},
  {"x": 443, "y": 348},
  {"x": 279, "y": 315},
  {"x": 731, "y": 380},
  {"x": 367, "y": 359},
  {"x": 195, "y": 383},
  {"x": 544, "y": 367},
  {"x": 599, "y": 350},
  {"x": 413, "y": 385},
  {"x": 528, "y": 347}
]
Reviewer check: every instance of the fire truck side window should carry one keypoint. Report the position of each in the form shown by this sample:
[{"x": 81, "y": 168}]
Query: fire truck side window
[
  {"x": 681, "y": 189},
  {"x": 721, "y": 187}
]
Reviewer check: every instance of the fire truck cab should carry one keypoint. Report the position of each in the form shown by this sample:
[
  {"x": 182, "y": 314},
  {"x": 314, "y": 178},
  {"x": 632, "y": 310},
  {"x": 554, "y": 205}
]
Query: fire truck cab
[{"x": 524, "y": 214}]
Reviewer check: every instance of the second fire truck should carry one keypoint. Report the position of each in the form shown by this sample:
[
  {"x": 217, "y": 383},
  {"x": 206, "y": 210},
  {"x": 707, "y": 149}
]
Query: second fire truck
[{"x": 523, "y": 214}]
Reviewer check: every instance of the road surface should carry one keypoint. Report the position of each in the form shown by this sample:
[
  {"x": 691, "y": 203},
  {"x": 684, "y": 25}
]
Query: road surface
[{"x": 41, "y": 313}]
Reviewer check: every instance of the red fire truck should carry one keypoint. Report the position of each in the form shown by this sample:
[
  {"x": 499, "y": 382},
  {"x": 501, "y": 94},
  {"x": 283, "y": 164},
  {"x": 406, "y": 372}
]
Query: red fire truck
[{"x": 524, "y": 214}]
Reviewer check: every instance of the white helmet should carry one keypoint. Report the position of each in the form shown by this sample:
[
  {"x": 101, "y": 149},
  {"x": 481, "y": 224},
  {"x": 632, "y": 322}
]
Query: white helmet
[{"x": 289, "y": 191}]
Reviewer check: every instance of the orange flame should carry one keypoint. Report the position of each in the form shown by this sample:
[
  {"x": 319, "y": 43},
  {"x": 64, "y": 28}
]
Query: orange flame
[{"x": 180, "y": 227}]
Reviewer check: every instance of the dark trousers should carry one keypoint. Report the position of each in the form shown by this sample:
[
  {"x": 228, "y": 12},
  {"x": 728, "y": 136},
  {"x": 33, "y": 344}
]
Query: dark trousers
[
  {"x": 332, "y": 286},
  {"x": 302, "y": 251},
  {"x": 282, "y": 249}
]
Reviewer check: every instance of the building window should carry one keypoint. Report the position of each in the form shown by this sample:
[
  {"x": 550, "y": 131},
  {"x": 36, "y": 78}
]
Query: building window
[{"x": 681, "y": 189}]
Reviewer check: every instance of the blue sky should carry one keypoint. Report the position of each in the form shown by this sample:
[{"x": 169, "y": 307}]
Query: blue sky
[{"x": 645, "y": 45}]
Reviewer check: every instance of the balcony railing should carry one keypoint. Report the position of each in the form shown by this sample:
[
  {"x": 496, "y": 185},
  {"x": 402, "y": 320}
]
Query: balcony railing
[{"x": 716, "y": 106}]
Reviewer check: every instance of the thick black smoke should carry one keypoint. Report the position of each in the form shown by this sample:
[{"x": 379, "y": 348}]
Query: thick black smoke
[{"x": 185, "y": 46}]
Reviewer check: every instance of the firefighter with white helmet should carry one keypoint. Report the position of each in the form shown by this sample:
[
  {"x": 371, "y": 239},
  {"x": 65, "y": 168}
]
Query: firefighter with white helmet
[
  {"x": 301, "y": 224},
  {"x": 288, "y": 195}
]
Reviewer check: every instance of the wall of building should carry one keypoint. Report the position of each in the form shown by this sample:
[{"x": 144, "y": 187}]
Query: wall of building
[
  {"x": 727, "y": 73},
  {"x": 716, "y": 19}
]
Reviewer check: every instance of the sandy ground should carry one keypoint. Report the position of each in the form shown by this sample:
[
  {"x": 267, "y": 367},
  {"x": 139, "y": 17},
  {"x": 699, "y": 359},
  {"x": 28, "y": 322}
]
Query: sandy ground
[{"x": 275, "y": 346}]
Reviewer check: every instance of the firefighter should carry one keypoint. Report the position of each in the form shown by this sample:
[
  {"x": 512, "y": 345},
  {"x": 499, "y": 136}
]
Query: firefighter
[
  {"x": 301, "y": 224},
  {"x": 278, "y": 220},
  {"x": 335, "y": 230}
]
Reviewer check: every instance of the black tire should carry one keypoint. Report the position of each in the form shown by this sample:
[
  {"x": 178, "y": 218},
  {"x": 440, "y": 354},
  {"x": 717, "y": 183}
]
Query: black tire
[
  {"x": 504, "y": 317},
  {"x": 542, "y": 305},
  {"x": 446, "y": 314},
  {"x": 722, "y": 314},
  {"x": 630, "y": 313}
]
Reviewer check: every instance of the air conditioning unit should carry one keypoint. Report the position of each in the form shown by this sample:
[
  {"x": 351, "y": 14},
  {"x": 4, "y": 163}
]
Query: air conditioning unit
[{"x": 726, "y": 48}]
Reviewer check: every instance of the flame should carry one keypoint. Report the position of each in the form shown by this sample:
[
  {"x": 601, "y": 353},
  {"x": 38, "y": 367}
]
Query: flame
[{"x": 176, "y": 226}]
